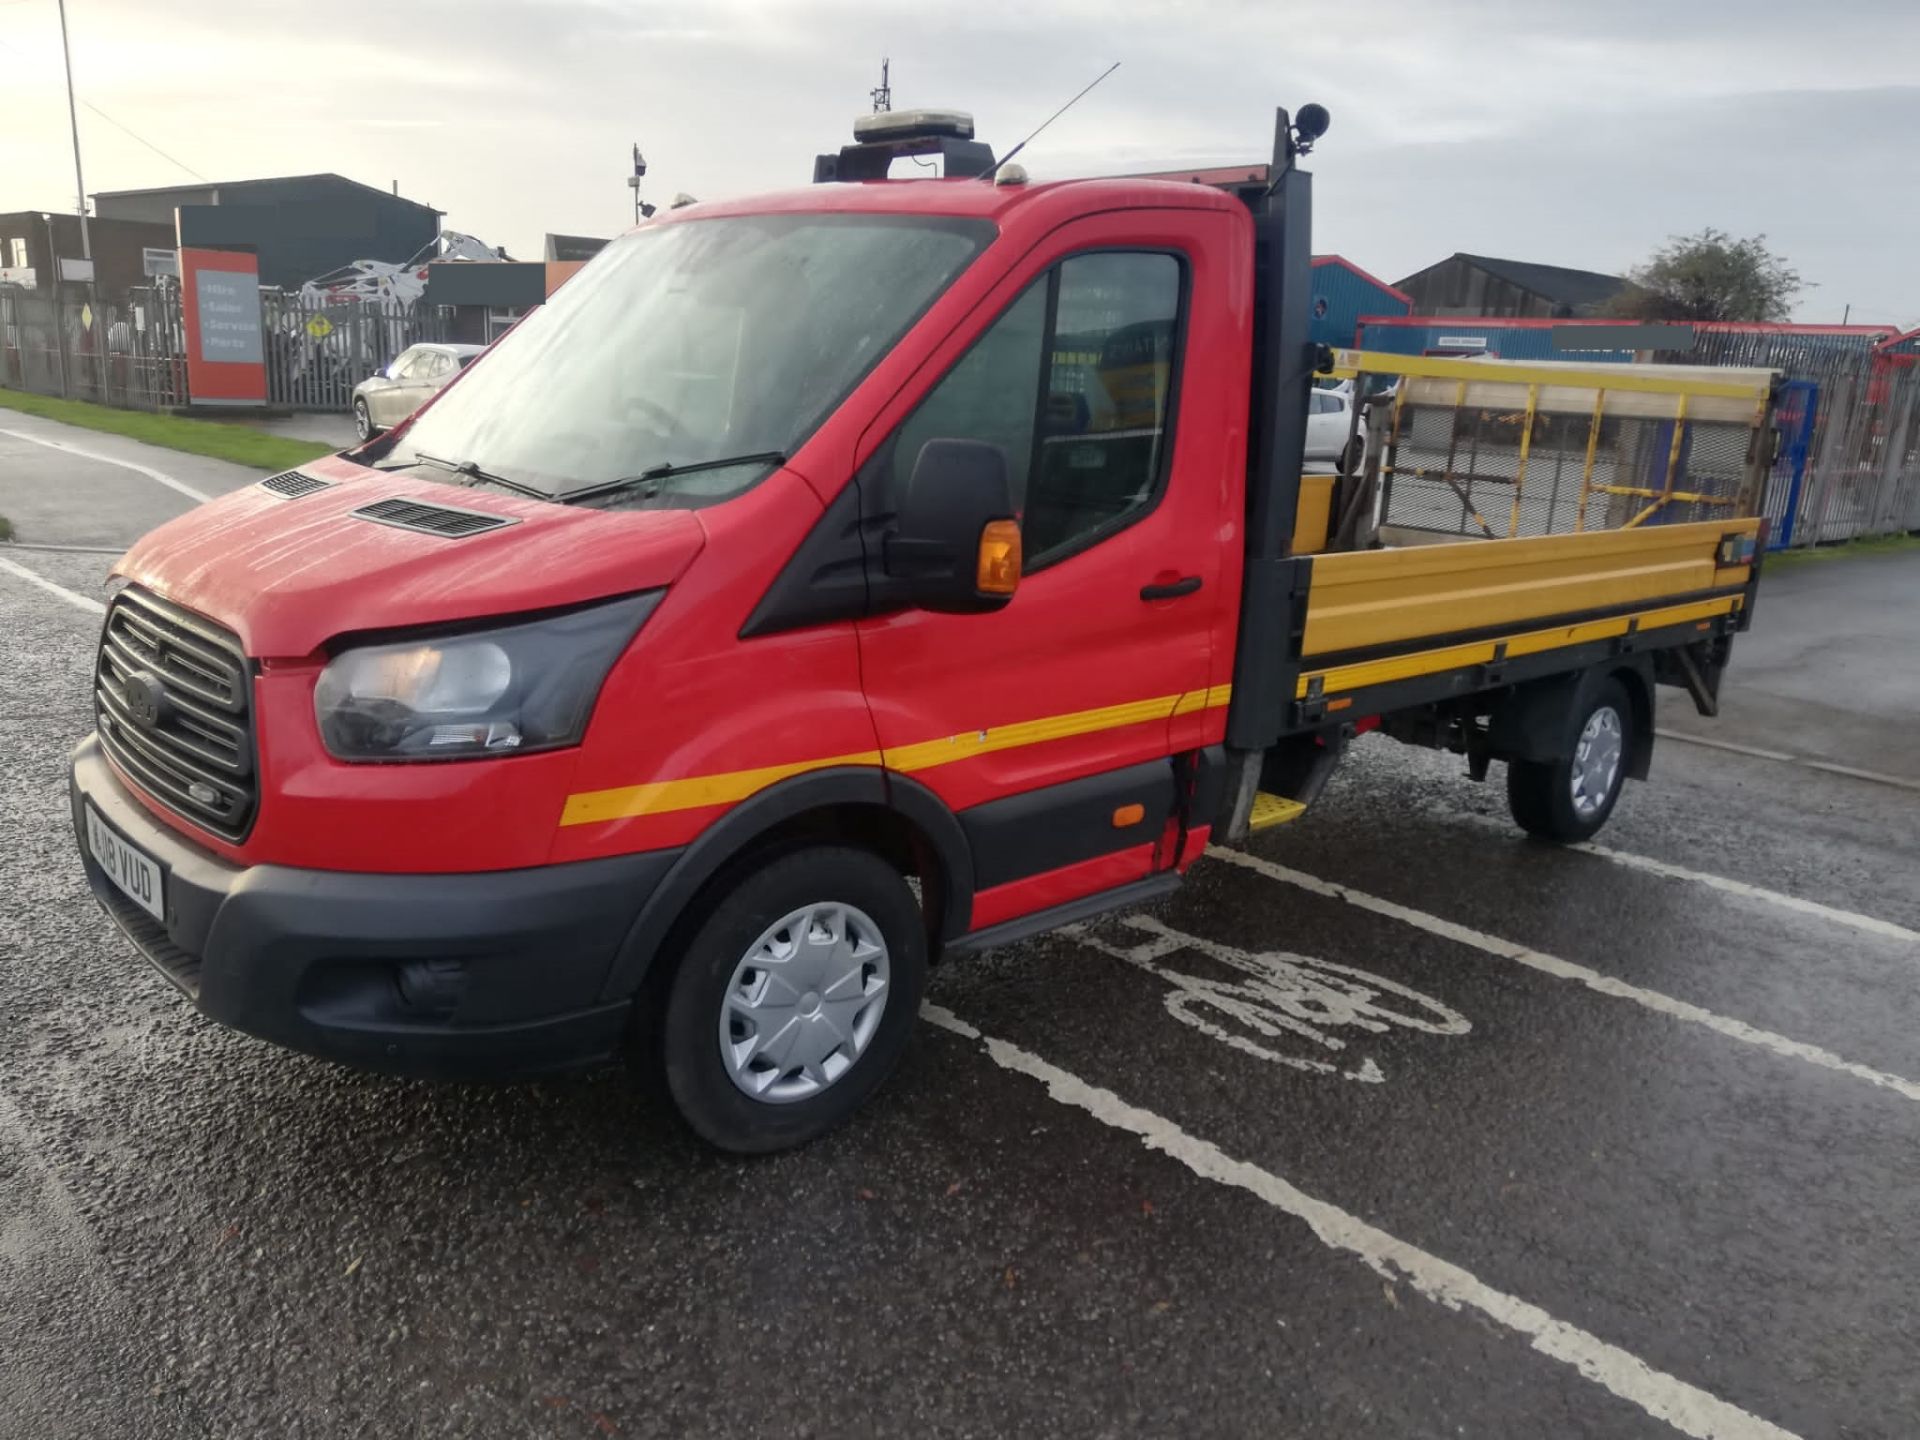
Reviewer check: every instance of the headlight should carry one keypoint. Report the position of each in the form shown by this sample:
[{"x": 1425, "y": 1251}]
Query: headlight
[{"x": 499, "y": 691}]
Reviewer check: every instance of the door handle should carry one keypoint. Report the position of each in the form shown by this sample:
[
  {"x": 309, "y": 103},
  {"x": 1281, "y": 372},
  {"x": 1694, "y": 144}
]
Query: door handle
[{"x": 1173, "y": 590}]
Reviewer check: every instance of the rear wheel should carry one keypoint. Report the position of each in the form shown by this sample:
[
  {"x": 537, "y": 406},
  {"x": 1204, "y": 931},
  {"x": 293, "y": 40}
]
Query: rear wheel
[
  {"x": 1569, "y": 798},
  {"x": 794, "y": 999},
  {"x": 362, "y": 420},
  {"x": 1353, "y": 456}
]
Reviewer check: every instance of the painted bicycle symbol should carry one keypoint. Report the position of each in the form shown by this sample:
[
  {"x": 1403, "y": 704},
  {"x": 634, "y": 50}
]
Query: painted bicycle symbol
[{"x": 1282, "y": 997}]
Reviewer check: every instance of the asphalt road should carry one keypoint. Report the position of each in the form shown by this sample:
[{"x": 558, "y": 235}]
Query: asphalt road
[{"x": 1496, "y": 1140}]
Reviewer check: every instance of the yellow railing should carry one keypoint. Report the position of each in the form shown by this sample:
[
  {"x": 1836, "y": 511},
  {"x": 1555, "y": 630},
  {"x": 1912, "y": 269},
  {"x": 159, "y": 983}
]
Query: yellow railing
[{"x": 1736, "y": 403}]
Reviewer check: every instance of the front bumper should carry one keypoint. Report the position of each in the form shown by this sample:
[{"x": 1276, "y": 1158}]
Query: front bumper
[{"x": 442, "y": 976}]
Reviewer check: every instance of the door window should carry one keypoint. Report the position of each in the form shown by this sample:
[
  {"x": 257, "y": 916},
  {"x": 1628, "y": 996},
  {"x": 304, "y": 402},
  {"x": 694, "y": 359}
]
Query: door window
[
  {"x": 1074, "y": 383},
  {"x": 990, "y": 395}
]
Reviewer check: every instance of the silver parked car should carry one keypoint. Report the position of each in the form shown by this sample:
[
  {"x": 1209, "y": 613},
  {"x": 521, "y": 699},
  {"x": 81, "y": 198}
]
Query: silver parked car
[
  {"x": 1329, "y": 426},
  {"x": 387, "y": 397}
]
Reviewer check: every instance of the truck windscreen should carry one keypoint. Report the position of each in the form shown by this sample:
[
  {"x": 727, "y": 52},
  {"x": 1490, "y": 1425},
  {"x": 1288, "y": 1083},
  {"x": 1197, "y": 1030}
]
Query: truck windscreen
[{"x": 688, "y": 343}]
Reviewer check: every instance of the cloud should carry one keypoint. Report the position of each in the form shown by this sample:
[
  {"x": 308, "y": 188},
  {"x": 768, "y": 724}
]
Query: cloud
[{"x": 1581, "y": 134}]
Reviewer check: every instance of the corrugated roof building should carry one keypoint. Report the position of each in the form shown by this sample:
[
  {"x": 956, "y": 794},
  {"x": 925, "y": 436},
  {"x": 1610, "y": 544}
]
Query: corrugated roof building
[
  {"x": 1464, "y": 284},
  {"x": 300, "y": 226}
]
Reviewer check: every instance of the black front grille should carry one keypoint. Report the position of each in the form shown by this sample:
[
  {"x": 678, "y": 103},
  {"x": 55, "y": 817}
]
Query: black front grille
[
  {"x": 431, "y": 519},
  {"x": 184, "y": 730},
  {"x": 292, "y": 484}
]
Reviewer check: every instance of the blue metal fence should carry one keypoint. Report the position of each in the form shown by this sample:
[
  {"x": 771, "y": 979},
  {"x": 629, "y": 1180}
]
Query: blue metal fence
[{"x": 1796, "y": 408}]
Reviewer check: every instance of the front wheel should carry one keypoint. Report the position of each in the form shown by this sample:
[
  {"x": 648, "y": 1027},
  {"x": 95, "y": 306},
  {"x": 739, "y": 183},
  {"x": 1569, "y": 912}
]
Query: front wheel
[
  {"x": 1569, "y": 798},
  {"x": 794, "y": 999},
  {"x": 362, "y": 420}
]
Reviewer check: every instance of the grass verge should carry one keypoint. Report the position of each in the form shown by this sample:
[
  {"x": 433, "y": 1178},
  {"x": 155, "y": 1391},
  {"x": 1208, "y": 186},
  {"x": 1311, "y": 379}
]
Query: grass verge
[
  {"x": 242, "y": 444},
  {"x": 1845, "y": 549}
]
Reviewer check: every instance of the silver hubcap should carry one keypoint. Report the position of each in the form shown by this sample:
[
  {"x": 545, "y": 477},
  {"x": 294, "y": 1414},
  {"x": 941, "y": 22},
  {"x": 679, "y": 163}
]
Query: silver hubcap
[
  {"x": 804, "y": 1003},
  {"x": 362, "y": 421},
  {"x": 1596, "y": 760}
]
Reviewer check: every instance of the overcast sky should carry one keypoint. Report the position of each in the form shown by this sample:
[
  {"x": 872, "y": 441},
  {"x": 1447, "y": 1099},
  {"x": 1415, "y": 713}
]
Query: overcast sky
[{"x": 1572, "y": 132}]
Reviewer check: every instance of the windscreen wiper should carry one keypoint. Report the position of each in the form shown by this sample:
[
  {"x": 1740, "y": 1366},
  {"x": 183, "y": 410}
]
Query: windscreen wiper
[
  {"x": 652, "y": 480},
  {"x": 471, "y": 472}
]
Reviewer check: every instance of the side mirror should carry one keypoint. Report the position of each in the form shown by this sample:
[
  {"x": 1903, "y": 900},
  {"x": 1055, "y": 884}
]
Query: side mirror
[{"x": 955, "y": 545}]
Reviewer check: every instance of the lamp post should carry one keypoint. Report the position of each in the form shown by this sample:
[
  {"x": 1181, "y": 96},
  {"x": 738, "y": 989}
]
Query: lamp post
[
  {"x": 73, "y": 121},
  {"x": 640, "y": 211}
]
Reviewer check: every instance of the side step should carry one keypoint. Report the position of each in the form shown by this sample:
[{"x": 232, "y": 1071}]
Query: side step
[
  {"x": 1271, "y": 810},
  {"x": 1251, "y": 808}
]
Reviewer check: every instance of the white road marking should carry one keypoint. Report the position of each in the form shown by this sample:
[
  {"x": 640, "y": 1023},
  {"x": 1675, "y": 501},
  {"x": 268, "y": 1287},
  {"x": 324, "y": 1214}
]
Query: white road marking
[
  {"x": 72, "y": 597},
  {"x": 1878, "y": 777},
  {"x": 1712, "y": 744},
  {"x": 1867, "y": 923},
  {"x": 64, "y": 549},
  {"x": 1687, "y": 1408},
  {"x": 1855, "y": 773},
  {"x": 160, "y": 476},
  {"x": 1567, "y": 970},
  {"x": 1285, "y": 995}
]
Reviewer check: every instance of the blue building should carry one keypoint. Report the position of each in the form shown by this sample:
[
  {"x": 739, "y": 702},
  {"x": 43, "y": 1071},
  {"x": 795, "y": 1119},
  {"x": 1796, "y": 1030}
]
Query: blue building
[
  {"x": 1505, "y": 337},
  {"x": 1344, "y": 295},
  {"x": 1790, "y": 348}
]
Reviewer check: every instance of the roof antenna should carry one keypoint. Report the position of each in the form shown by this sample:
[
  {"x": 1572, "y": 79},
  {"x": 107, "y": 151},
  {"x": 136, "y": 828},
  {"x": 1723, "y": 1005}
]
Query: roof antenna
[
  {"x": 883, "y": 92},
  {"x": 994, "y": 170}
]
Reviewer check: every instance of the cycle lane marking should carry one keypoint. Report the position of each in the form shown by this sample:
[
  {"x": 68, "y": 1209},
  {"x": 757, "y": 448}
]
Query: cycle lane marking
[
  {"x": 1284, "y": 996},
  {"x": 1562, "y": 969},
  {"x": 1686, "y": 1408}
]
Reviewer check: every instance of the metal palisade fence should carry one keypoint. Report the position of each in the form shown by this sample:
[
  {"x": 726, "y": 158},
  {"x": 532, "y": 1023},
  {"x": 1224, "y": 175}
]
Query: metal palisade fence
[
  {"x": 319, "y": 347},
  {"x": 128, "y": 352},
  {"x": 131, "y": 351},
  {"x": 1848, "y": 417}
]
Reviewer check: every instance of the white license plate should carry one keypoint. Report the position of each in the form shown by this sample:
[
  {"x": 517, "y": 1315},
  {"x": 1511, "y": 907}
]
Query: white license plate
[{"x": 136, "y": 874}]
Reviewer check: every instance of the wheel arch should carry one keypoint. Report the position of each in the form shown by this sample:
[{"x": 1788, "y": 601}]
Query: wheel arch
[
  {"x": 1531, "y": 723},
  {"x": 1635, "y": 674},
  {"x": 897, "y": 818}
]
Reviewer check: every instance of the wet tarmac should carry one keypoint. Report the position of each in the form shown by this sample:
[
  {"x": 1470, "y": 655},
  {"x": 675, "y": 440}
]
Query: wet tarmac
[{"x": 1398, "y": 1125}]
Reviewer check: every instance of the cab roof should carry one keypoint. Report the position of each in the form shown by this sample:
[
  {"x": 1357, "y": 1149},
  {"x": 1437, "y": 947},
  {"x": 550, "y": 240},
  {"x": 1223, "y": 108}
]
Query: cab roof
[{"x": 968, "y": 198}]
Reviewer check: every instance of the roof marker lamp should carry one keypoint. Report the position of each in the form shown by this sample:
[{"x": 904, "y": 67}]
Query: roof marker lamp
[{"x": 504, "y": 690}]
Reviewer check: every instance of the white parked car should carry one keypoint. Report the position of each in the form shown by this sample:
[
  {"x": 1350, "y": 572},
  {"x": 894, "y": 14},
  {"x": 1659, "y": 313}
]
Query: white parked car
[
  {"x": 1329, "y": 419},
  {"x": 388, "y": 396}
]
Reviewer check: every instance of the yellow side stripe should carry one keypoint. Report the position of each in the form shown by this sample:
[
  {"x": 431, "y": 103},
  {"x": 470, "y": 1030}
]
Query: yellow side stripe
[
  {"x": 1480, "y": 652},
  {"x": 1209, "y": 699},
  {"x": 596, "y": 806},
  {"x": 695, "y": 792},
  {"x": 592, "y": 806}
]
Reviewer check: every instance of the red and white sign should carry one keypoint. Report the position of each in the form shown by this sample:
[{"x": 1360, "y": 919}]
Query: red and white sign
[{"x": 226, "y": 351}]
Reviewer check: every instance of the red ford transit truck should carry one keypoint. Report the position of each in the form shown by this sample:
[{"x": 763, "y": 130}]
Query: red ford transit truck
[{"x": 820, "y": 584}]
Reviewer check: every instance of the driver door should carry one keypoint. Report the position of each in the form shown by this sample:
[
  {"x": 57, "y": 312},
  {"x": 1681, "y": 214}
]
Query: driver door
[{"x": 1050, "y": 726}]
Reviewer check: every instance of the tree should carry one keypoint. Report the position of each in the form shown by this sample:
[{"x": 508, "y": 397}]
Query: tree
[{"x": 1710, "y": 276}]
